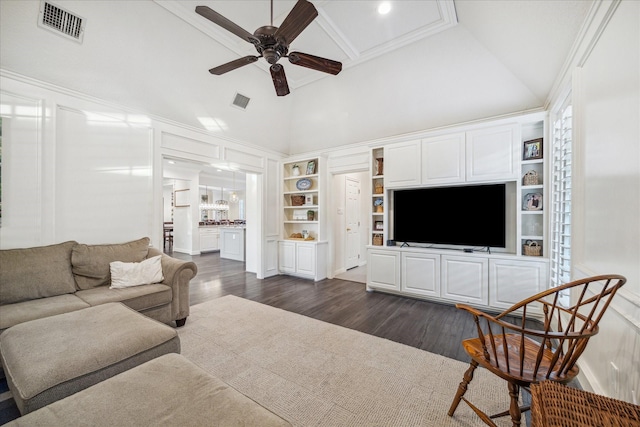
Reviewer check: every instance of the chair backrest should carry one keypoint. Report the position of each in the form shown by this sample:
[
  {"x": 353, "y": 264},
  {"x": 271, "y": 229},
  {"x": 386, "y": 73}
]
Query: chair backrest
[{"x": 563, "y": 335}]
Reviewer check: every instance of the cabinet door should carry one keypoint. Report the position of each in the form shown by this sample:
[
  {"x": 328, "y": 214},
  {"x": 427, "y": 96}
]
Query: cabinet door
[
  {"x": 208, "y": 241},
  {"x": 306, "y": 258},
  {"x": 287, "y": 257},
  {"x": 512, "y": 281},
  {"x": 402, "y": 164},
  {"x": 383, "y": 269},
  {"x": 465, "y": 279},
  {"x": 420, "y": 274},
  {"x": 493, "y": 153},
  {"x": 443, "y": 159}
]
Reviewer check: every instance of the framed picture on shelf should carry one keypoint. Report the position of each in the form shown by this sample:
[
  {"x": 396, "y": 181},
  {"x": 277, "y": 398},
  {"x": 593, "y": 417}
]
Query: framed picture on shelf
[
  {"x": 379, "y": 225},
  {"x": 532, "y": 202},
  {"x": 532, "y": 150},
  {"x": 311, "y": 167}
]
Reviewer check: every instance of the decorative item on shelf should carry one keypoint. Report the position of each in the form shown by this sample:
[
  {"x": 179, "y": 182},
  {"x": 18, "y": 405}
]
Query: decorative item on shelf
[
  {"x": 378, "y": 203},
  {"x": 297, "y": 199},
  {"x": 377, "y": 239},
  {"x": 378, "y": 188},
  {"x": 299, "y": 215},
  {"x": 379, "y": 166},
  {"x": 532, "y": 150},
  {"x": 311, "y": 167},
  {"x": 311, "y": 215},
  {"x": 300, "y": 236},
  {"x": 303, "y": 184},
  {"x": 532, "y": 202},
  {"x": 532, "y": 248},
  {"x": 305, "y": 234},
  {"x": 530, "y": 178},
  {"x": 308, "y": 199},
  {"x": 295, "y": 170},
  {"x": 379, "y": 226}
]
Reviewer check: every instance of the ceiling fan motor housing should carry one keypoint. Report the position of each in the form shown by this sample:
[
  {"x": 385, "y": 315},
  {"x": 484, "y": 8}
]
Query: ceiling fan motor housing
[{"x": 269, "y": 47}]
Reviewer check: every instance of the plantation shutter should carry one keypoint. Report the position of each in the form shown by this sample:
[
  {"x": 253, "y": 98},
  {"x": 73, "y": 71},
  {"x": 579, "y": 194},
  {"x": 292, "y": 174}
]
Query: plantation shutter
[{"x": 560, "y": 256}]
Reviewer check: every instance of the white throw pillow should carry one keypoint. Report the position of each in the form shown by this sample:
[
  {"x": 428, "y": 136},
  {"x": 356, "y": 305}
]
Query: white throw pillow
[{"x": 127, "y": 274}]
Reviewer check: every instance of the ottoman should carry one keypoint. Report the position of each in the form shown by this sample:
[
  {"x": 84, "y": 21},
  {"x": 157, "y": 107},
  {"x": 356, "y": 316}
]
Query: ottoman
[
  {"x": 166, "y": 391},
  {"x": 50, "y": 358}
]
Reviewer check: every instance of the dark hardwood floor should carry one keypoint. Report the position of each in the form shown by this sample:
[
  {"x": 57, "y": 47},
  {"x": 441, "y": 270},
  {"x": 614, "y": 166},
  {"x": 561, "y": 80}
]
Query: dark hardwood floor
[{"x": 437, "y": 328}]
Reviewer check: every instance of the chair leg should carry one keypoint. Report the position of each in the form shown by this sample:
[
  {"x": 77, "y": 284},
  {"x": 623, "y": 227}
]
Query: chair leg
[
  {"x": 514, "y": 409},
  {"x": 462, "y": 388}
]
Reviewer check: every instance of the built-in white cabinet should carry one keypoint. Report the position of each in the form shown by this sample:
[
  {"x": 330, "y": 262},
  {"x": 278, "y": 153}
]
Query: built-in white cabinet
[
  {"x": 479, "y": 279},
  {"x": 529, "y": 275},
  {"x": 383, "y": 269},
  {"x": 480, "y": 155},
  {"x": 465, "y": 279},
  {"x": 402, "y": 164},
  {"x": 209, "y": 239},
  {"x": 443, "y": 159},
  {"x": 492, "y": 153},
  {"x": 420, "y": 274},
  {"x": 303, "y": 259}
]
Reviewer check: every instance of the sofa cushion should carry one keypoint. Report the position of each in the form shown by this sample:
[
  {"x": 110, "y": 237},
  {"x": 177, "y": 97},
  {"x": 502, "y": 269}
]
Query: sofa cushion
[
  {"x": 37, "y": 272},
  {"x": 138, "y": 298},
  {"x": 20, "y": 312},
  {"x": 90, "y": 263},
  {"x": 128, "y": 274}
]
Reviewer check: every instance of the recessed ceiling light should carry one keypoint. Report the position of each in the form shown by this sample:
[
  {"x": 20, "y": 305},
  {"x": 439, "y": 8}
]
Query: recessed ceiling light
[
  {"x": 384, "y": 8},
  {"x": 171, "y": 162}
]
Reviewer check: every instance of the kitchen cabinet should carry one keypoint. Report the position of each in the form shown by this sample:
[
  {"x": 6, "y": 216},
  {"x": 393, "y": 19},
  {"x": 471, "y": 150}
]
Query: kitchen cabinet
[{"x": 209, "y": 239}]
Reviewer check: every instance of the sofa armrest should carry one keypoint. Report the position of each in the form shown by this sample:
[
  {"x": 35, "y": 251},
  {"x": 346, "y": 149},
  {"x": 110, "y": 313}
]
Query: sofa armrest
[{"x": 177, "y": 274}]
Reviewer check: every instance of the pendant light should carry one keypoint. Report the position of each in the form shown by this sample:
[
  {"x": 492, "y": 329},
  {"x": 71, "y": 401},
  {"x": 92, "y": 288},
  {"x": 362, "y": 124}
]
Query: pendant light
[
  {"x": 234, "y": 196},
  {"x": 221, "y": 205}
]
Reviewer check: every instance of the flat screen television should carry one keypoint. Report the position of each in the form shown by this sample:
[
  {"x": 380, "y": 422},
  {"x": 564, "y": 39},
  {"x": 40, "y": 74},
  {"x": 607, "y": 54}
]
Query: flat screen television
[{"x": 469, "y": 216}]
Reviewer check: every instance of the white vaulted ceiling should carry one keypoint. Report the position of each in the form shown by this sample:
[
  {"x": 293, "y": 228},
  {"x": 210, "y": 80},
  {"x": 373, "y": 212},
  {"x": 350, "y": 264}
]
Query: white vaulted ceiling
[{"x": 424, "y": 65}]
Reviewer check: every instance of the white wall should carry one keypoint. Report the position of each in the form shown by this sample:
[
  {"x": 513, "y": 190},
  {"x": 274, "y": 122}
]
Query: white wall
[{"x": 606, "y": 202}]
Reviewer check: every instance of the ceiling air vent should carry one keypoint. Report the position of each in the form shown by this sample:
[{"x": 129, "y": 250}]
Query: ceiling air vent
[
  {"x": 241, "y": 101},
  {"x": 60, "y": 21}
]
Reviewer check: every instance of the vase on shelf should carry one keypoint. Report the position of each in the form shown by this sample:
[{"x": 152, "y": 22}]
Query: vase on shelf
[
  {"x": 379, "y": 166},
  {"x": 295, "y": 170}
]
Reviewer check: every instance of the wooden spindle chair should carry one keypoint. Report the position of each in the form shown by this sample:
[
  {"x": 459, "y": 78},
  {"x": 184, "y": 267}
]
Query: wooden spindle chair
[{"x": 523, "y": 355}]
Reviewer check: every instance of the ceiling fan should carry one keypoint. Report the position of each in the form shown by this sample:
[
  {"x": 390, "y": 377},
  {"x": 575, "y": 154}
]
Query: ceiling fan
[{"x": 272, "y": 43}]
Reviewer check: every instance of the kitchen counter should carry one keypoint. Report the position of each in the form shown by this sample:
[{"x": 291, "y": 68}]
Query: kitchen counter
[{"x": 232, "y": 242}]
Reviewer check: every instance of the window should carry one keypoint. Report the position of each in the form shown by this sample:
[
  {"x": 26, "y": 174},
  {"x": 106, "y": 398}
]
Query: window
[{"x": 560, "y": 256}]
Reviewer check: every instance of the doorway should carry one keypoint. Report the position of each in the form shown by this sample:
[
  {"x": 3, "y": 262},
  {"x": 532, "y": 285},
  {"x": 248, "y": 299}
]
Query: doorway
[{"x": 349, "y": 225}]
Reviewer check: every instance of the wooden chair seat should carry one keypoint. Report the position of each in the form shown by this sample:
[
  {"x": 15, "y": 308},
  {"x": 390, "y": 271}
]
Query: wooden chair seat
[
  {"x": 506, "y": 362},
  {"x": 523, "y": 355}
]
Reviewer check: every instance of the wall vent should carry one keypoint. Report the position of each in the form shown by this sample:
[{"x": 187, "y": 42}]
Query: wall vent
[
  {"x": 60, "y": 21},
  {"x": 241, "y": 101}
]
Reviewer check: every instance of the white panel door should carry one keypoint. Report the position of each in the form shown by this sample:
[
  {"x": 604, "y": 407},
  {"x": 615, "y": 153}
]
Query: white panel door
[
  {"x": 443, "y": 159},
  {"x": 383, "y": 269},
  {"x": 353, "y": 222},
  {"x": 306, "y": 258},
  {"x": 465, "y": 279},
  {"x": 511, "y": 281},
  {"x": 402, "y": 164},
  {"x": 420, "y": 273},
  {"x": 493, "y": 153},
  {"x": 287, "y": 257}
]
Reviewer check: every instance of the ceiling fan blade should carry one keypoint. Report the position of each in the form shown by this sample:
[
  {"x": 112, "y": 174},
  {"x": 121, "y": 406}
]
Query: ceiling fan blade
[
  {"x": 232, "y": 65},
  {"x": 315, "y": 62},
  {"x": 279, "y": 79},
  {"x": 302, "y": 14},
  {"x": 216, "y": 18}
]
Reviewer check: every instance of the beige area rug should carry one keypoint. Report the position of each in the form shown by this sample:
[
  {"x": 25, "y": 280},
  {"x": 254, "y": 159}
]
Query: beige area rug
[{"x": 313, "y": 373}]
